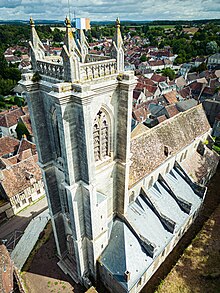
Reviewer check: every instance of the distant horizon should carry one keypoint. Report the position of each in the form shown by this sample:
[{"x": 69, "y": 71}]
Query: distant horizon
[{"x": 113, "y": 20}]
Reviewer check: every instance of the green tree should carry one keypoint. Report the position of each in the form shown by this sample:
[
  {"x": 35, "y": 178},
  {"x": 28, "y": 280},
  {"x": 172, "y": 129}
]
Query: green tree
[
  {"x": 212, "y": 47},
  {"x": 143, "y": 58},
  {"x": 169, "y": 73},
  {"x": 57, "y": 35},
  {"x": 21, "y": 130}
]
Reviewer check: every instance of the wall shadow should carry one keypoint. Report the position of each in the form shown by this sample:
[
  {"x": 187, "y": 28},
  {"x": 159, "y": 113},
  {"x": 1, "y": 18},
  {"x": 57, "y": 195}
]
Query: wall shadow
[
  {"x": 12, "y": 229},
  {"x": 212, "y": 200},
  {"x": 45, "y": 264}
]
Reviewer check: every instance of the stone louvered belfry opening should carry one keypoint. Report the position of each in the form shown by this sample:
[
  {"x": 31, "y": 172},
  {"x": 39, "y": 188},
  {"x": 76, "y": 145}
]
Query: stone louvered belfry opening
[
  {"x": 56, "y": 134},
  {"x": 101, "y": 136}
]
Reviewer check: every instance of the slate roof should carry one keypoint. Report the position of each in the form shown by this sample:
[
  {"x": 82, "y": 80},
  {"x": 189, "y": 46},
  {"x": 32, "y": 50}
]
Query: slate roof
[
  {"x": 162, "y": 200},
  {"x": 192, "y": 76},
  {"x": 150, "y": 224},
  {"x": 175, "y": 133},
  {"x": 186, "y": 105},
  {"x": 124, "y": 253}
]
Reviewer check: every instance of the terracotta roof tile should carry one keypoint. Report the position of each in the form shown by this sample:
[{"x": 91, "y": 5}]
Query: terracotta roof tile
[
  {"x": 171, "y": 97},
  {"x": 198, "y": 166},
  {"x": 172, "y": 110},
  {"x": 6, "y": 270},
  {"x": 175, "y": 133},
  {"x": 25, "y": 144},
  {"x": 16, "y": 178},
  {"x": 185, "y": 92},
  {"x": 158, "y": 78},
  {"x": 27, "y": 122},
  {"x": 8, "y": 145},
  {"x": 10, "y": 118},
  {"x": 140, "y": 114},
  {"x": 161, "y": 118}
]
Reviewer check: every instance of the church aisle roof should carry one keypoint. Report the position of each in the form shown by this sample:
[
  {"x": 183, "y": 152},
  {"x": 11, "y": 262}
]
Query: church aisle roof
[
  {"x": 150, "y": 224},
  {"x": 139, "y": 213},
  {"x": 182, "y": 189},
  {"x": 176, "y": 133},
  {"x": 124, "y": 253}
]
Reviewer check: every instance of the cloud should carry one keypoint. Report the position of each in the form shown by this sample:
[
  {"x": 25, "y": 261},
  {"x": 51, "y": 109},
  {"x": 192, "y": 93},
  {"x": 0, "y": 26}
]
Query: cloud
[
  {"x": 10, "y": 3},
  {"x": 109, "y": 10}
]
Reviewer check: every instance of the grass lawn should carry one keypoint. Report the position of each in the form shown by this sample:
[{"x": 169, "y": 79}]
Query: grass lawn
[{"x": 198, "y": 270}]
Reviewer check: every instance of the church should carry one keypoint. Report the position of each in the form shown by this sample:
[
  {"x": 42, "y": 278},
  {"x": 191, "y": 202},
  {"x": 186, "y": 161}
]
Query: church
[{"x": 119, "y": 200}]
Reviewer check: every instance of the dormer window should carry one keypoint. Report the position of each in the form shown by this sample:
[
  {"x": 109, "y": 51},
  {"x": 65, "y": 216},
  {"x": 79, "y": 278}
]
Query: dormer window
[{"x": 166, "y": 151}]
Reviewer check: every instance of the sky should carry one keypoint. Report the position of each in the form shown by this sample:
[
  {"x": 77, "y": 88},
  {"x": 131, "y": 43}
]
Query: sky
[{"x": 110, "y": 9}]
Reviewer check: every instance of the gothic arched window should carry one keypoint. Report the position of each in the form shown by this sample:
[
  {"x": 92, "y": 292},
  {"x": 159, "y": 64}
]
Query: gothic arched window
[
  {"x": 56, "y": 134},
  {"x": 101, "y": 136}
]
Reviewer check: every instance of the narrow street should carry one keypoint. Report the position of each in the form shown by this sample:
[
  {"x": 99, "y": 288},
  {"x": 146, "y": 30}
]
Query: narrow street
[{"x": 12, "y": 230}]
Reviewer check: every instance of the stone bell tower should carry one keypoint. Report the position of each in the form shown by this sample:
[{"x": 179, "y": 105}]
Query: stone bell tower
[{"x": 80, "y": 106}]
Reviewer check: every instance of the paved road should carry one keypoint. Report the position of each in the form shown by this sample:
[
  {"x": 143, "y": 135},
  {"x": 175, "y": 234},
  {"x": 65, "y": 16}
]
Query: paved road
[{"x": 19, "y": 222}]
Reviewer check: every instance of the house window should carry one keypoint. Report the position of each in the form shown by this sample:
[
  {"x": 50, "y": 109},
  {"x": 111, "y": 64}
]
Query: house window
[
  {"x": 101, "y": 136},
  {"x": 38, "y": 191},
  {"x": 30, "y": 199},
  {"x": 185, "y": 154},
  {"x": 24, "y": 201}
]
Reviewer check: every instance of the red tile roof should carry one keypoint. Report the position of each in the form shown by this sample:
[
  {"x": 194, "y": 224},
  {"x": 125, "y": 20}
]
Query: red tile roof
[
  {"x": 185, "y": 92},
  {"x": 6, "y": 270},
  {"x": 152, "y": 89},
  {"x": 171, "y": 97},
  {"x": 158, "y": 78},
  {"x": 16, "y": 178},
  {"x": 27, "y": 122},
  {"x": 10, "y": 118},
  {"x": 161, "y": 118},
  {"x": 140, "y": 114},
  {"x": 156, "y": 63},
  {"x": 172, "y": 110},
  {"x": 25, "y": 144},
  {"x": 8, "y": 145}
]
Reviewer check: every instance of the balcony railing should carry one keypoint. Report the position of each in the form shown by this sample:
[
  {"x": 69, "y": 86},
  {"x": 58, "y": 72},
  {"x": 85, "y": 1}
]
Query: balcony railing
[
  {"x": 94, "y": 70},
  {"x": 48, "y": 68}
]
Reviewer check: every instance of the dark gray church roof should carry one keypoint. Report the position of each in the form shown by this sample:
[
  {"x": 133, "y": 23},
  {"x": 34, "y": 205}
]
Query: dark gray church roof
[{"x": 151, "y": 222}]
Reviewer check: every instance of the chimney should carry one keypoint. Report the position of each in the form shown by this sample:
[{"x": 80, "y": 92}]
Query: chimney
[{"x": 127, "y": 276}]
